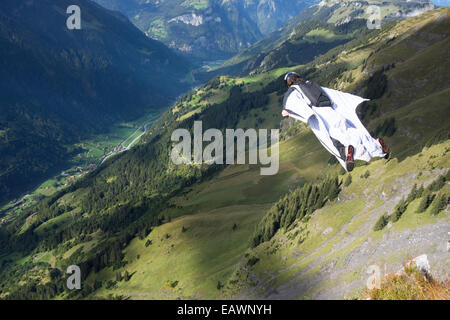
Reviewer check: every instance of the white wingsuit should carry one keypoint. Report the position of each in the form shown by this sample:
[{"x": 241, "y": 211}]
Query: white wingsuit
[{"x": 338, "y": 122}]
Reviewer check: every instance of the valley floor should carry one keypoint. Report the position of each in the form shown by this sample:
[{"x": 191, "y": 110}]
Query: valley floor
[{"x": 91, "y": 153}]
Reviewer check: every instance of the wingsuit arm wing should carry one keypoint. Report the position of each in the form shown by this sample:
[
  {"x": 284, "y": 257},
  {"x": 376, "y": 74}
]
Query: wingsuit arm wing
[{"x": 295, "y": 103}]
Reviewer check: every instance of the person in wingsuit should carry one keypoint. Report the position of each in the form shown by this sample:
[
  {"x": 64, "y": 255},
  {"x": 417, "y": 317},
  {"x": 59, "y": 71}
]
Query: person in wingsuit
[{"x": 331, "y": 114}]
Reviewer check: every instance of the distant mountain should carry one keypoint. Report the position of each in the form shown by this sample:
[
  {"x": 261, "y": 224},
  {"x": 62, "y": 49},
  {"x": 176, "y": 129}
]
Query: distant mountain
[
  {"x": 58, "y": 85},
  {"x": 208, "y": 29},
  {"x": 314, "y": 31}
]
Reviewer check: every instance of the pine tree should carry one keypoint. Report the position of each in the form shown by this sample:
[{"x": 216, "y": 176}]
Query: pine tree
[
  {"x": 420, "y": 192},
  {"x": 365, "y": 175},
  {"x": 348, "y": 181},
  {"x": 399, "y": 210},
  {"x": 439, "y": 204},
  {"x": 438, "y": 184},
  {"x": 413, "y": 194},
  {"x": 335, "y": 190},
  {"x": 381, "y": 223},
  {"x": 425, "y": 203}
]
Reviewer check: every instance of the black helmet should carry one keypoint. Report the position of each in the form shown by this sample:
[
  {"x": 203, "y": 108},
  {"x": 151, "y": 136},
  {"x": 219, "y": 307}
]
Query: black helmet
[{"x": 289, "y": 76}]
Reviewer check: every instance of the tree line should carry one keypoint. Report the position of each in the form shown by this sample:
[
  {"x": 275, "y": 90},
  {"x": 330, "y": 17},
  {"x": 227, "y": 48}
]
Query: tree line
[{"x": 299, "y": 204}]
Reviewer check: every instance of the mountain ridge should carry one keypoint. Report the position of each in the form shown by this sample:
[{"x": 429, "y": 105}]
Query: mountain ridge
[
  {"x": 257, "y": 58},
  {"x": 208, "y": 30}
]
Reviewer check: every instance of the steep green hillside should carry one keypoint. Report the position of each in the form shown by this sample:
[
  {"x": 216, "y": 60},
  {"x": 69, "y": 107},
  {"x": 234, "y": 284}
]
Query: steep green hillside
[
  {"x": 141, "y": 227},
  {"x": 61, "y": 85},
  {"x": 208, "y": 29},
  {"x": 326, "y": 254},
  {"x": 313, "y": 32}
]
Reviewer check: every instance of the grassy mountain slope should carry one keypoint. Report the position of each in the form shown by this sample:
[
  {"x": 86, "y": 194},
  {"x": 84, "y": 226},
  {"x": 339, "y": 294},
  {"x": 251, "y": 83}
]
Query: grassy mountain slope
[
  {"x": 142, "y": 228},
  {"x": 191, "y": 256},
  {"x": 61, "y": 85},
  {"x": 327, "y": 255}
]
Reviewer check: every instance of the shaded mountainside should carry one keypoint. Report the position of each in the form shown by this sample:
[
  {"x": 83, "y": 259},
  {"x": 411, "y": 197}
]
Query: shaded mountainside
[
  {"x": 297, "y": 42},
  {"x": 208, "y": 29},
  {"x": 141, "y": 227},
  {"x": 60, "y": 85}
]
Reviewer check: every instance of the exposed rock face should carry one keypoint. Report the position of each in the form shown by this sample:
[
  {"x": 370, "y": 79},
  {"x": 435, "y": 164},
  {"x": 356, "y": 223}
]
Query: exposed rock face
[{"x": 190, "y": 18}]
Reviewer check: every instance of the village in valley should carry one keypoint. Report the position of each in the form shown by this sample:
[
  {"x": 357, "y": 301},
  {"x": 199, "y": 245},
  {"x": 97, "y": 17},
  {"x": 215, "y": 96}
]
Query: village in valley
[{"x": 90, "y": 154}]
